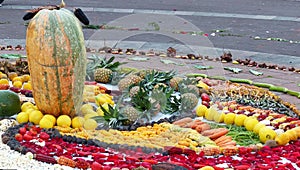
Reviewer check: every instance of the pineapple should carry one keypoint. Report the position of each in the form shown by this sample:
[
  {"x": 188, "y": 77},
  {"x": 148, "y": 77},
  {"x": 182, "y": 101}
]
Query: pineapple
[
  {"x": 130, "y": 113},
  {"x": 102, "y": 68},
  {"x": 134, "y": 90},
  {"x": 128, "y": 81},
  {"x": 188, "y": 101},
  {"x": 175, "y": 81}
]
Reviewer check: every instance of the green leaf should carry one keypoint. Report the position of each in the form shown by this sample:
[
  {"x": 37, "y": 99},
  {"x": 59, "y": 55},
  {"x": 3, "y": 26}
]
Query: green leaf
[
  {"x": 171, "y": 62},
  {"x": 299, "y": 84},
  {"x": 203, "y": 67},
  {"x": 234, "y": 70},
  {"x": 256, "y": 72},
  {"x": 12, "y": 56},
  {"x": 138, "y": 58}
]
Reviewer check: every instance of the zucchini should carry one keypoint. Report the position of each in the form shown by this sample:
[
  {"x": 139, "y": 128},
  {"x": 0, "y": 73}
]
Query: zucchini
[
  {"x": 217, "y": 77},
  {"x": 264, "y": 85},
  {"x": 237, "y": 80},
  {"x": 293, "y": 93},
  {"x": 278, "y": 89},
  {"x": 81, "y": 16},
  {"x": 196, "y": 75}
]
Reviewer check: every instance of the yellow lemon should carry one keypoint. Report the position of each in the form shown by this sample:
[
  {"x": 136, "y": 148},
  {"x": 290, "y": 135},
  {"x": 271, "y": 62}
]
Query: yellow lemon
[
  {"x": 229, "y": 118},
  {"x": 27, "y": 86},
  {"x": 239, "y": 119},
  {"x": 18, "y": 84},
  {"x": 257, "y": 127},
  {"x": 201, "y": 110},
  {"x": 207, "y": 168},
  {"x": 26, "y": 77},
  {"x": 210, "y": 113},
  {"x": 248, "y": 118},
  {"x": 250, "y": 124},
  {"x": 26, "y": 105},
  {"x": 85, "y": 108},
  {"x": 64, "y": 121},
  {"x": 4, "y": 81},
  {"x": 219, "y": 118},
  {"x": 22, "y": 117},
  {"x": 90, "y": 115},
  {"x": 51, "y": 118},
  {"x": 17, "y": 79},
  {"x": 77, "y": 122},
  {"x": 46, "y": 123},
  {"x": 35, "y": 116},
  {"x": 90, "y": 124}
]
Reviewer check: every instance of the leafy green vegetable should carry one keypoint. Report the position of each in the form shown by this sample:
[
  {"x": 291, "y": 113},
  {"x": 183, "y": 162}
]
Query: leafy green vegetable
[
  {"x": 235, "y": 70},
  {"x": 257, "y": 73},
  {"x": 203, "y": 67}
]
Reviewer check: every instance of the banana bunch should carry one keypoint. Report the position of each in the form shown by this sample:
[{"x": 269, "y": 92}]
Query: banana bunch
[{"x": 101, "y": 99}]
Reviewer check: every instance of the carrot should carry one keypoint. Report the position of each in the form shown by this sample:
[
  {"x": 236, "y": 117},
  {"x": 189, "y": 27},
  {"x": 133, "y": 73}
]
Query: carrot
[
  {"x": 183, "y": 121},
  {"x": 220, "y": 139},
  {"x": 205, "y": 126},
  {"x": 219, "y": 132},
  {"x": 231, "y": 143},
  {"x": 209, "y": 132},
  {"x": 194, "y": 124},
  {"x": 224, "y": 141},
  {"x": 199, "y": 129}
]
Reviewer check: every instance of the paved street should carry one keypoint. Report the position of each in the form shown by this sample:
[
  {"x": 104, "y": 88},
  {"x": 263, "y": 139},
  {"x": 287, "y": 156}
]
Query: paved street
[{"x": 242, "y": 25}]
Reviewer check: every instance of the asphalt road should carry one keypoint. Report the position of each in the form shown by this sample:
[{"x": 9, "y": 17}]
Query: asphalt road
[{"x": 241, "y": 21}]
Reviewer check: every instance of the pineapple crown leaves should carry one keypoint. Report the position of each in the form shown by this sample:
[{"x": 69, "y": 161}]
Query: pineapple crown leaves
[
  {"x": 100, "y": 62},
  {"x": 155, "y": 77}
]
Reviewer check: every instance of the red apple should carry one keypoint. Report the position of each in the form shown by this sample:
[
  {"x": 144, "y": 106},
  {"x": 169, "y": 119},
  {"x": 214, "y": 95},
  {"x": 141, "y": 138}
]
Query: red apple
[
  {"x": 33, "y": 132},
  {"x": 19, "y": 137},
  {"x": 96, "y": 166},
  {"x": 27, "y": 137},
  {"x": 22, "y": 130},
  {"x": 205, "y": 97}
]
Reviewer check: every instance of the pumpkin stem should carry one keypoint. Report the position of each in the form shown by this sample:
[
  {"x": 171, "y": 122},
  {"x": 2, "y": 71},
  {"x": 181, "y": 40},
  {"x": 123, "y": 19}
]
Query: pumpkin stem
[{"x": 62, "y": 4}]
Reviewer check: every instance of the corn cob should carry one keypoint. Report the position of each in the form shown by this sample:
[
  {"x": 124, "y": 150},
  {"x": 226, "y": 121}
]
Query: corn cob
[
  {"x": 45, "y": 158},
  {"x": 62, "y": 160}
]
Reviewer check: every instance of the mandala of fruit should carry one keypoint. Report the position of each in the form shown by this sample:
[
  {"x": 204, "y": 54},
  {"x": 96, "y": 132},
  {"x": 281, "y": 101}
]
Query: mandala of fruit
[{"x": 161, "y": 121}]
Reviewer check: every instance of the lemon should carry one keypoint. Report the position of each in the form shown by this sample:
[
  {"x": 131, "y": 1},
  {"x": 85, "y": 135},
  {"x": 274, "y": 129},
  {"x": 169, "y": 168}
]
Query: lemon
[
  {"x": 35, "y": 116},
  {"x": 200, "y": 110},
  {"x": 229, "y": 118},
  {"x": 210, "y": 113},
  {"x": 257, "y": 127},
  {"x": 219, "y": 118},
  {"x": 64, "y": 121},
  {"x": 90, "y": 124},
  {"x": 90, "y": 115},
  {"x": 86, "y": 108},
  {"x": 22, "y": 117},
  {"x": 18, "y": 84},
  {"x": 26, "y": 77},
  {"x": 26, "y": 105},
  {"x": 51, "y": 118},
  {"x": 248, "y": 118},
  {"x": 17, "y": 79},
  {"x": 250, "y": 124},
  {"x": 207, "y": 168},
  {"x": 27, "y": 86},
  {"x": 239, "y": 119},
  {"x": 4, "y": 81},
  {"x": 77, "y": 122},
  {"x": 46, "y": 123}
]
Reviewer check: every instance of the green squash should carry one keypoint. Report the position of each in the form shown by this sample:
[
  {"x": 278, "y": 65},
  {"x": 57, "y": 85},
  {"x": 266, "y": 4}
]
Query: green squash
[{"x": 10, "y": 103}]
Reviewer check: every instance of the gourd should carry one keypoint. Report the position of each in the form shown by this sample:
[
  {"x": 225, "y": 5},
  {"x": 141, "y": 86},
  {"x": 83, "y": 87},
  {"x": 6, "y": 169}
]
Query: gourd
[{"x": 57, "y": 61}]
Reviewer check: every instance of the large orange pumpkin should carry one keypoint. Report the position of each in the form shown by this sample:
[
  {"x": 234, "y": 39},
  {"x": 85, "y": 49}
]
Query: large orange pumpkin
[{"x": 57, "y": 61}]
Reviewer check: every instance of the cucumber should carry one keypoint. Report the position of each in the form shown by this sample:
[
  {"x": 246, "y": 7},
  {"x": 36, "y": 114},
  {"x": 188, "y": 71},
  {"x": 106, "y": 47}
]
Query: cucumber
[
  {"x": 237, "y": 80},
  {"x": 196, "y": 75},
  {"x": 293, "y": 93},
  {"x": 217, "y": 77},
  {"x": 278, "y": 89},
  {"x": 264, "y": 85}
]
